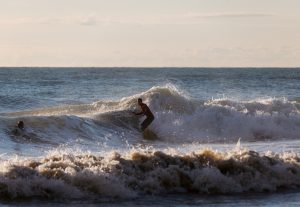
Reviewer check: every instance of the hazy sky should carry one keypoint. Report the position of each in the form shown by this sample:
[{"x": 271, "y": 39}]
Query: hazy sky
[{"x": 150, "y": 33}]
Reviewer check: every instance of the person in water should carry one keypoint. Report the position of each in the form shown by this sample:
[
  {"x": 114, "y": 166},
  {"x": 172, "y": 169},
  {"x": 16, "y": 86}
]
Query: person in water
[
  {"x": 19, "y": 128},
  {"x": 145, "y": 112},
  {"x": 20, "y": 125}
]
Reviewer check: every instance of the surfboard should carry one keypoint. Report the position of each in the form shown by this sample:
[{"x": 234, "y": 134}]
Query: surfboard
[{"x": 149, "y": 135}]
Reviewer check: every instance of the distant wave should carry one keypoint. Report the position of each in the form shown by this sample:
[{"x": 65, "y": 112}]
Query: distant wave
[
  {"x": 87, "y": 176},
  {"x": 179, "y": 118}
]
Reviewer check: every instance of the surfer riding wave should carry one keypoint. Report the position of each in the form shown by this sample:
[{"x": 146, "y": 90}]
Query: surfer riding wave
[{"x": 146, "y": 112}]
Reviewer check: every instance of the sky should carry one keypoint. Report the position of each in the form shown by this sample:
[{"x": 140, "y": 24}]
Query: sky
[{"x": 150, "y": 33}]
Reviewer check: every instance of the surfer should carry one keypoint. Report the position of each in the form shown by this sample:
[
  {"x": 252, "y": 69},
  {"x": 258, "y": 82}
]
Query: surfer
[{"x": 145, "y": 112}]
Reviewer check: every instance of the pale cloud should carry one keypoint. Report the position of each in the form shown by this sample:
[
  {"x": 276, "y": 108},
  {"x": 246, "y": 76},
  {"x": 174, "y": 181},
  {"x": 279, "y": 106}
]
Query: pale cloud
[
  {"x": 32, "y": 20},
  {"x": 85, "y": 20},
  {"x": 88, "y": 20},
  {"x": 92, "y": 19},
  {"x": 229, "y": 15}
]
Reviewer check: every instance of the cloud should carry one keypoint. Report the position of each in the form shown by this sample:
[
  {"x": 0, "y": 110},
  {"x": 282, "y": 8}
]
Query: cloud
[
  {"x": 229, "y": 15},
  {"x": 88, "y": 20},
  {"x": 31, "y": 20},
  {"x": 92, "y": 19},
  {"x": 84, "y": 20}
]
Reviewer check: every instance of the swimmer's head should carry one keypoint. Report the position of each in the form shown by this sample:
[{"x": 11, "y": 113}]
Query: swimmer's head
[{"x": 20, "y": 125}]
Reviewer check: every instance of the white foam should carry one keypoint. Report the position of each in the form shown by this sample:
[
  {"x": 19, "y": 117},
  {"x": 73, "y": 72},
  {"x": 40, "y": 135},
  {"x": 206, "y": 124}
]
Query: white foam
[{"x": 69, "y": 176}]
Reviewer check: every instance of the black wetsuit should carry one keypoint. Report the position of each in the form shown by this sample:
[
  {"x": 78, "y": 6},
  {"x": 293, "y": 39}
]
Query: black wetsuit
[{"x": 146, "y": 111}]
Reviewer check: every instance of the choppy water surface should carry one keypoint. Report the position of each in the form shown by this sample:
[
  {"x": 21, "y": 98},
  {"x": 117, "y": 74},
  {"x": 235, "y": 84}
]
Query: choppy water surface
[{"x": 225, "y": 136}]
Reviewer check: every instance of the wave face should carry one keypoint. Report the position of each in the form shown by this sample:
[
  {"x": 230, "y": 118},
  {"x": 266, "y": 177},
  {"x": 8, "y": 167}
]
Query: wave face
[
  {"x": 67, "y": 176},
  {"x": 178, "y": 119}
]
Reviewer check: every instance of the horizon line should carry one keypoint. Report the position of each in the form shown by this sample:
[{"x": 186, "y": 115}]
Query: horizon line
[{"x": 153, "y": 67}]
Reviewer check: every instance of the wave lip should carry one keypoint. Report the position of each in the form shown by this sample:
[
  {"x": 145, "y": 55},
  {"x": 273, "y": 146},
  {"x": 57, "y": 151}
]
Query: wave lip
[{"x": 155, "y": 173}]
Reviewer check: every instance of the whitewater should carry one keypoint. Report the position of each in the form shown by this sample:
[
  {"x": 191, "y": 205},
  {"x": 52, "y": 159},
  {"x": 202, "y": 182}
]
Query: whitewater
[{"x": 226, "y": 134}]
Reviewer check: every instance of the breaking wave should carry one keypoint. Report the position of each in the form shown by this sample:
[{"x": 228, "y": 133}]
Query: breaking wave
[
  {"x": 116, "y": 176},
  {"x": 178, "y": 118}
]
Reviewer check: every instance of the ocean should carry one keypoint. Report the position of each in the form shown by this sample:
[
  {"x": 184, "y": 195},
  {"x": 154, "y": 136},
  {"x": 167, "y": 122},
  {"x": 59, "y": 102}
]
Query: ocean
[{"x": 221, "y": 137}]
